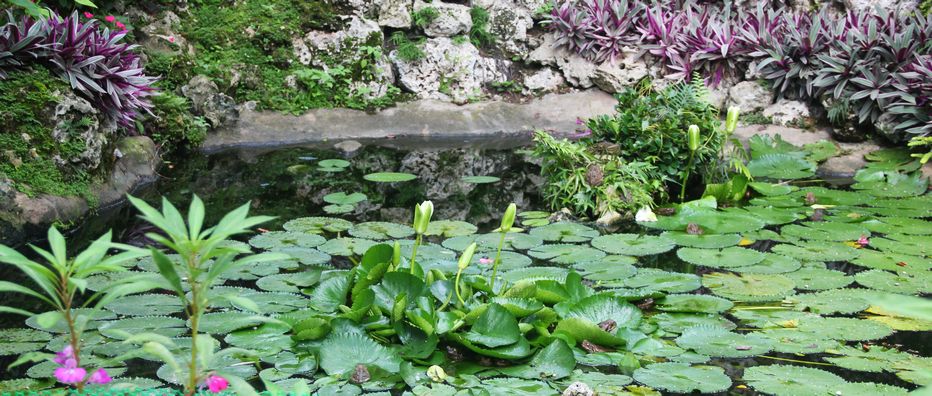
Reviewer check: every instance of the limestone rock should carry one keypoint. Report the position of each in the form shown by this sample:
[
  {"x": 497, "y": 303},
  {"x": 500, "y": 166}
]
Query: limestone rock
[
  {"x": 547, "y": 52},
  {"x": 615, "y": 76},
  {"x": 904, "y": 7},
  {"x": 509, "y": 22},
  {"x": 160, "y": 35},
  {"x": 749, "y": 96},
  {"x": 578, "y": 389},
  {"x": 451, "y": 20},
  {"x": 449, "y": 71},
  {"x": 544, "y": 80},
  {"x": 787, "y": 112},
  {"x": 718, "y": 96},
  {"x": 357, "y": 32},
  {"x": 78, "y": 123},
  {"x": 395, "y": 14},
  {"x": 577, "y": 70},
  {"x": 207, "y": 100}
]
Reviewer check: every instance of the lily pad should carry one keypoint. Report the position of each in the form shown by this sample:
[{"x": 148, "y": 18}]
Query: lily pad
[
  {"x": 566, "y": 253},
  {"x": 19, "y": 341},
  {"x": 892, "y": 261},
  {"x": 603, "y": 270},
  {"x": 509, "y": 260},
  {"x": 633, "y": 244},
  {"x": 819, "y": 279},
  {"x": 536, "y": 273},
  {"x": 565, "y": 232},
  {"x": 749, "y": 287},
  {"x": 380, "y": 230},
  {"x": 894, "y": 184},
  {"x": 289, "y": 282},
  {"x": 771, "y": 264},
  {"x": 717, "y": 342},
  {"x": 146, "y": 305},
  {"x": 342, "y": 198},
  {"x": 665, "y": 281},
  {"x": 901, "y": 282},
  {"x": 875, "y": 359},
  {"x": 817, "y": 251},
  {"x": 829, "y": 302},
  {"x": 678, "y": 322},
  {"x": 227, "y": 322},
  {"x": 124, "y": 328},
  {"x": 480, "y": 179},
  {"x": 707, "y": 241},
  {"x": 346, "y": 246},
  {"x": 825, "y": 231},
  {"x": 721, "y": 258},
  {"x": 795, "y": 341},
  {"x": 770, "y": 190},
  {"x": 307, "y": 256},
  {"x": 485, "y": 242},
  {"x": 693, "y": 303},
  {"x": 389, "y": 177},
  {"x": 317, "y": 225},
  {"x": 450, "y": 228},
  {"x": 785, "y": 380},
  {"x": 781, "y": 166},
  {"x": 555, "y": 361},
  {"x": 845, "y": 329},
  {"x": 899, "y": 225},
  {"x": 601, "y": 307},
  {"x": 683, "y": 378}
]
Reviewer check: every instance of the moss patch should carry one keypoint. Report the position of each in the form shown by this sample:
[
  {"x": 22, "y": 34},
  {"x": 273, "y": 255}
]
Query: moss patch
[{"x": 26, "y": 143}]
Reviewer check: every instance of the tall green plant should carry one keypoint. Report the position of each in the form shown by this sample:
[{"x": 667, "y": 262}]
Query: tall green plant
[
  {"x": 203, "y": 258},
  {"x": 508, "y": 220},
  {"x": 422, "y": 213},
  {"x": 60, "y": 283}
]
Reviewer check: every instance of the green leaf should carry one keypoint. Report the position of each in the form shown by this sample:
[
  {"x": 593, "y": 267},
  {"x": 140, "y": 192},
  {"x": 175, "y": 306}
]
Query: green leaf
[
  {"x": 693, "y": 303},
  {"x": 555, "y": 361},
  {"x": 781, "y": 166},
  {"x": 718, "y": 342},
  {"x": 389, "y": 177},
  {"x": 683, "y": 378},
  {"x": 480, "y": 179},
  {"x": 602, "y": 307},
  {"x": 494, "y": 328},
  {"x": 340, "y": 353},
  {"x": 778, "y": 379},
  {"x": 721, "y": 258},
  {"x": 565, "y": 232},
  {"x": 167, "y": 269},
  {"x": 341, "y": 198}
]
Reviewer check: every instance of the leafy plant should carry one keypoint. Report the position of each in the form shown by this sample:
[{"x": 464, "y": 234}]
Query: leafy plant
[
  {"x": 479, "y": 34},
  {"x": 407, "y": 50},
  {"x": 425, "y": 16},
  {"x": 172, "y": 125}
]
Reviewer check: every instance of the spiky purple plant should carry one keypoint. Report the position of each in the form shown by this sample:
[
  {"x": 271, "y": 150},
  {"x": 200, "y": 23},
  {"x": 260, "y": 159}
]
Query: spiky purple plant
[{"x": 95, "y": 61}]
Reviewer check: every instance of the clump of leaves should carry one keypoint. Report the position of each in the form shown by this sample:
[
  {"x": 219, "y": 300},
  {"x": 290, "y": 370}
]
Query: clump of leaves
[
  {"x": 425, "y": 16},
  {"x": 406, "y": 49},
  {"x": 479, "y": 35},
  {"x": 172, "y": 125}
]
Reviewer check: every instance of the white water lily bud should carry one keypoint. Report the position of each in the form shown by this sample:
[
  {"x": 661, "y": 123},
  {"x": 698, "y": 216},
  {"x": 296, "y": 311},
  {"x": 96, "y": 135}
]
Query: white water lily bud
[
  {"x": 422, "y": 214},
  {"x": 645, "y": 215},
  {"x": 466, "y": 257},
  {"x": 731, "y": 119},
  {"x": 436, "y": 373},
  {"x": 508, "y": 220}
]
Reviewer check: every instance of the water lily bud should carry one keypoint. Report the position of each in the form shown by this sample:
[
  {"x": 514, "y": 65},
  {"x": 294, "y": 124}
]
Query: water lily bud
[
  {"x": 731, "y": 120},
  {"x": 466, "y": 257},
  {"x": 508, "y": 219},
  {"x": 693, "y": 137},
  {"x": 422, "y": 215},
  {"x": 436, "y": 373},
  {"x": 396, "y": 254},
  {"x": 645, "y": 215}
]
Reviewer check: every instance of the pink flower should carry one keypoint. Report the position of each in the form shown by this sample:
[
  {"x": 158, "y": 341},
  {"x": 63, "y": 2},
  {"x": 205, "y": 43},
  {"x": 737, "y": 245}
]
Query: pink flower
[
  {"x": 579, "y": 121},
  {"x": 121, "y": 25},
  {"x": 581, "y": 134},
  {"x": 99, "y": 377},
  {"x": 70, "y": 375},
  {"x": 485, "y": 260},
  {"x": 217, "y": 384},
  {"x": 171, "y": 39},
  {"x": 67, "y": 353},
  {"x": 863, "y": 241},
  {"x": 110, "y": 18},
  {"x": 88, "y": 15}
]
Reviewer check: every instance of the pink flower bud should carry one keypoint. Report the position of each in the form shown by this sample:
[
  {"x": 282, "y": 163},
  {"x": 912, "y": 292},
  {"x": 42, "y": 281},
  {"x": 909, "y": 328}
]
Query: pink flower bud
[
  {"x": 88, "y": 15},
  {"x": 66, "y": 353},
  {"x": 863, "y": 241},
  {"x": 70, "y": 375},
  {"x": 217, "y": 384},
  {"x": 120, "y": 25},
  {"x": 100, "y": 377},
  {"x": 485, "y": 261},
  {"x": 110, "y": 18}
]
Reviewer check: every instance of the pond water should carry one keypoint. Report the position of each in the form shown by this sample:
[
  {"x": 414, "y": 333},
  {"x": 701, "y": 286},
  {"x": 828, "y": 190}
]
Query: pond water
[{"x": 637, "y": 264}]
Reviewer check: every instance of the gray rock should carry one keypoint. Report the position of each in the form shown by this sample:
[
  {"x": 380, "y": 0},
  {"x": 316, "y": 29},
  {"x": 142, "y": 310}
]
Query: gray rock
[
  {"x": 78, "y": 123},
  {"x": 315, "y": 43},
  {"x": 577, "y": 70},
  {"x": 509, "y": 22},
  {"x": 544, "y": 80},
  {"x": 547, "y": 52},
  {"x": 161, "y": 35},
  {"x": 615, "y": 76},
  {"x": 206, "y": 100},
  {"x": 395, "y": 14},
  {"x": 749, "y": 96},
  {"x": 451, "y": 20},
  {"x": 904, "y": 7},
  {"x": 787, "y": 112},
  {"x": 449, "y": 71},
  {"x": 718, "y": 96}
]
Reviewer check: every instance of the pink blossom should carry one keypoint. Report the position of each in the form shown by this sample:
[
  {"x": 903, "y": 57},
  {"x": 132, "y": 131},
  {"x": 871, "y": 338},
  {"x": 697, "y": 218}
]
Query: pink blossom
[
  {"x": 110, "y": 18},
  {"x": 863, "y": 241},
  {"x": 171, "y": 39},
  {"x": 581, "y": 134},
  {"x": 217, "y": 384},
  {"x": 66, "y": 353},
  {"x": 121, "y": 25},
  {"x": 70, "y": 375},
  {"x": 88, "y": 15},
  {"x": 485, "y": 261},
  {"x": 579, "y": 121},
  {"x": 99, "y": 377}
]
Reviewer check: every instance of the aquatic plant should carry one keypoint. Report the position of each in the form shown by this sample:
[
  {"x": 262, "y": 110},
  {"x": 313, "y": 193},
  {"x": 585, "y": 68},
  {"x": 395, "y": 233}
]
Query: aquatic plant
[{"x": 508, "y": 221}]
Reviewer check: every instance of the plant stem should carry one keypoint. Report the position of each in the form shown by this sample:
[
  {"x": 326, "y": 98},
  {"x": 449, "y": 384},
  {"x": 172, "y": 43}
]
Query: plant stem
[
  {"x": 417, "y": 242},
  {"x": 498, "y": 260},
  {"x": 195, "y": 314},
  {"x": 456, "y": 287},
  {"x": 66, "y": 313},
  {"x": 689, "y": 167}
]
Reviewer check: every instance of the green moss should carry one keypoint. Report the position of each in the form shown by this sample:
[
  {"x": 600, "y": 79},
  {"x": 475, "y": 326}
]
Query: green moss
[
  {"x": 756, "y": 118},
  {"x": 926, "y": 7},
  {"x": 26, "y": 143},
  {"x": 246, "y": 49},
  {"x": 173, "y": 126}
]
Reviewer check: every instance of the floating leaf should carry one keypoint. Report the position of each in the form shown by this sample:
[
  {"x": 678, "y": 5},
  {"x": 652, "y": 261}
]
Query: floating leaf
[
  {"x": 660, "y": 280},
  {"x": 601, "y": 307},
  {"x": 380, "y": 230},
  {"x": 784, "y": 380},
  {"x": 633, "y": 244},
  {"x": 795, "y": 341},
  {"x": 846, "y": 329},
  {"x": 825, "y": 231},
  {"x": 480, "y": 179},
  {"x": 693, "y": 303},
  {"x": 875, "y": 359},
  {"x": 894, "y": 184},
  {"x": 267, "y": 339},
  {"x": 707, "y": 241},
  {"x": 307, "y": 256},
  {"x": 829, "y": 302},
  {"x": 347, "y": 246},
  {"x": 721, "y": 258},
  {"x": 771, "y": 264},
  {"x": 290, "y": 282},
  {"x": 817, "y": 251},
  {"x": 901, "y": 282},
  {"x": 683, "y": 378},
  {"x": 536, "y": 273},
  {"x": 555, "y": 361},
  {"x": 486, "y": 242},
  {"x": 450, "y": 228},
  {"x": 389, "y": 177},
  {"x": 227, "y": 322},
  {"x": 771, "y": 190},
  {"x": 778, "y": 317},
  {"x": 146, "y": 305},
  {"x": 495, "y": 327},
  {"x": 899, "y": 225},
  {"x": 781, "y": 166},
  {"x": 19, "y": 341},
  {"x": 677, "y": 322},
  {"x": 317, "y": 225},
  {"x": 342, "y": 198},
  {"x": 565, "y": 232},
  {"x": 892, "y": 261},
  {"x": 749, "y": 287},
  {"x": 717, "y": 342},
  {"x": 609, "y": 268},
  {"x": 819, "y": 279},
  {"x": 339, "y": 209},
  {"x": 333, "y": 164},
  {"x": 602, "y": 384},
  {"x": 566, "y": 253},
  {"x": 124, "y": 328}
]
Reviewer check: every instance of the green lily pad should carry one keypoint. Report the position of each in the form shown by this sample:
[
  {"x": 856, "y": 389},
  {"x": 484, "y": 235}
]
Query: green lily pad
[
  {"x": 389, "y": 177},
  {"x": 899, "y": 225},
  {"x": 785, "y": 380},
  {"x": 509, "y": 260},
  {"x": 677, "y": 322},
  {"x": 894, "y": 185},
  {"x": 892, "y": 261},
  {"x": 872, "y": 388},
  {"x": 342, "y": 198},
  {"x": 536, "y": 273},
  {"x": 267, "y": 339},
  {"x": 781, "y": 166},
  {"x": 339, "y": 209},
  {"x": 749, "y": 287},
  {"x": 380, "y": 230},
  {"x": 565, "y": 232},
  {"x": 817, "y": 251},
  {"x": 603, "y": 270},
  {"x": 901, "y": 282},
  {"x": 602, "y": 384},
  {"x": 633, "y": 244},
  {"x": 289, "y": 282},
  {"x": 717, "y": 342},
  {"x": 566, "y": 253},
  {"x": 146, "y": 305},
  {"x": 795, "y": 341},
  {"x": 665, "y": 281},
  {"x": 346, "y": 246},
  {"x": 555, "y": 361},
  {"x": 721, "y": 258},
  {"x": 845, "y": 329},
  {"x": 829, "y": 302},
  {"x": 122, "y": 329},
  {"x": 430, "y": 252},
  {"x": 777, "y": 317},
  {"x": 480, "y": 179},
  {"x": 485, "y": 242},
  {"x": 601, "y": 307},
  {"x": 227, "y": 322},
  {"x": 272, "y": 302},
  {"x": 333, "y": 163},
  {"x": 124, "y": 384},
  {"x": 683, "y": 378},
  {"x": 307, "y": 256},
  {"x": 317, "y": 225},
  {"x": 19, "y": 341},
  {"x": 97, "y": 317},
  {"x": 821, "y": 150},
  {"x": 707, "y": 241},
  {"x": 819, "y": 279},
  {"x": 825, "y": 231},
  {"x": 876, "y": 359},
  {"x": 906, "y": 244},
  {"x": 771, "y": 264},
  {"x": 772, "y": 215},
  {"x": 771, "y": 190},
  {"x": 450, "y": 228},
  {"x": 694, "y": 303},
  {"x": 24, "y": 384}
]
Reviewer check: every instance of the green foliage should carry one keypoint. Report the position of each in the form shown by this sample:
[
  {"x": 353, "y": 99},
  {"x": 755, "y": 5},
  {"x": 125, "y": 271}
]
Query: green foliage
[
  {"x": 425, "y": 16},
  {"x": 407, "y": 50},
  {"x": 479, "y": 35},
  {"x": 926, "y": 7},
  {"x": 757, "y": 118},
  {"x": 173, "y": 126},
  {"x": 27, "y": 145}
]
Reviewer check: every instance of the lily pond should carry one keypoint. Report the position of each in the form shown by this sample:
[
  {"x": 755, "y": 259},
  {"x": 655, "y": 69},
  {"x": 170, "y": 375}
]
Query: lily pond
[{"x": 806, "y": 289}]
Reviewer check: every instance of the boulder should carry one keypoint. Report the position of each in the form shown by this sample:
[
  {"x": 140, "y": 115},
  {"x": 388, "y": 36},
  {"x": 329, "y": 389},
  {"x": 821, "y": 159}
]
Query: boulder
[
  {"x": 79, "y": 124},
  {"x": 449, "y": 71},
  {"x": 395, "y": 14},
  {"x": 509, "y": 22},
  {"x": 358, "y": 31},
  {"x": 206, "y": 100},
  {"x": 160, "y": 35},
  {"x": 787, "y": 112},
  {"x": 615, "y": 75},
  {"x": 544, "y": 80},
  {"x": 904, "y": 7},
  {"x": 749, "y": 96},
  {"x": 577, "y": 70},
  {"x": 451, "y": 20},
  {"x": 547, "y": 52}
]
